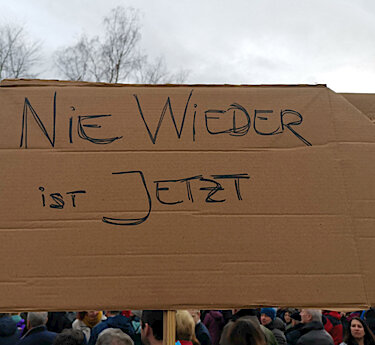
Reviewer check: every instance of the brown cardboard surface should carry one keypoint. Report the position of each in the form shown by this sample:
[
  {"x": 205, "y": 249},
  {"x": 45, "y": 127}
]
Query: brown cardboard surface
[
  {"x": 365, "y": 102},
  {"x": 174, "y": 212}
]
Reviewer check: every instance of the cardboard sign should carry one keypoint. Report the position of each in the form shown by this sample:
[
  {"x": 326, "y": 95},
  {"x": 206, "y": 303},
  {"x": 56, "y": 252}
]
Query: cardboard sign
[{"x": 166, "y": 197}]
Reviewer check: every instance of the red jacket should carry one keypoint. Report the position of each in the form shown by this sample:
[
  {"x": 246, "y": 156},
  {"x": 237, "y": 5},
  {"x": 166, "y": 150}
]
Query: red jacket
[{"x": 333, "y": 326}]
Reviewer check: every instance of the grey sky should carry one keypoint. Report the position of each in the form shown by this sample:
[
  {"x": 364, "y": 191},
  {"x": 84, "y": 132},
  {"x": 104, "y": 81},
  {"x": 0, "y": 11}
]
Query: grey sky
[{"x": 233, "y": 42}]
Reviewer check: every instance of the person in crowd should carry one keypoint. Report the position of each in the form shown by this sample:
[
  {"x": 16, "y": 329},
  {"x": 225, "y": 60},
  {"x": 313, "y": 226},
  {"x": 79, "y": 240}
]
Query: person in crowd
[
  {"x": 135, "y": 320},
  {"x": 9, "y": 332},
  {"x": 293, "y": 334},
  {"x": 332, "y": 324},
  {"x": 246, "y": 332},
  {"x": 369, "y": 317},
  {"x": 114, "y": 320},
  {"x": 21, "y": 323},
  {"x": 286, "y": 317},
  {"x": 58, "y": 321},
  {"x": 359, "y": 333},
  {"x": 313, "y": 332},
  {"x": 37, "y": 333},
  {"x": 275, "y": 325},
  {"x": 114, "y": 336},
  {"x": 247, "y": 314},
  {"x": 87, "y": 320},
  {"x": 201, "y": 331},
  {"x": 70, "y": 336},
  {"x": 152, "y": 326},
  {"x": 185, "y": 328},
  {"x": 214, "y": 321}
]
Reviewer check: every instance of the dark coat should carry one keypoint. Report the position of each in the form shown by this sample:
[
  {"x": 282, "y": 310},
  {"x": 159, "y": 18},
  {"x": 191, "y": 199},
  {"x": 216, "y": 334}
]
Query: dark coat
[
  {"x": 202, "y": 334},
  {"x": 118, "y": 321},
  {"x": 314, "y": 334},
  {"x": 293, "y": 334},
  {"x": 9, "y": 333},
  {"x": 38, "y": 336}
]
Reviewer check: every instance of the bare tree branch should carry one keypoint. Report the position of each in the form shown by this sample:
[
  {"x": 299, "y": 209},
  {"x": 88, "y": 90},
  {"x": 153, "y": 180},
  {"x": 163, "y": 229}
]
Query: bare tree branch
[
  {"x": 157, "y": 73},
  {"x": 18, "y": 54}
]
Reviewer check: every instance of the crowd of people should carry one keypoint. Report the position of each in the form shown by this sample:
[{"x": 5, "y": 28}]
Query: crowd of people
[{"x": 263, "y": 326}]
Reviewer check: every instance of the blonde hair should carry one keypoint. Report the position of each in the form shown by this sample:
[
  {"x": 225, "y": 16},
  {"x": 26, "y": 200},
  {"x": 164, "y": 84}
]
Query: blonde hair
[{"x": 185, "y": 326}]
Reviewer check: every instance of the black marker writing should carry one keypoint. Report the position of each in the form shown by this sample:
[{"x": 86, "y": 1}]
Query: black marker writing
[
  {"x": 58, "y": 199},
  {"x": 131, "y": 221},
  {"x": 168, "y": 106},
  {"x": 82, "y": 133}
]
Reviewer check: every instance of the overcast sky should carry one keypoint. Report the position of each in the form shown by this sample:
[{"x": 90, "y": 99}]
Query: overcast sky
[{"x": 233, "y": 42}]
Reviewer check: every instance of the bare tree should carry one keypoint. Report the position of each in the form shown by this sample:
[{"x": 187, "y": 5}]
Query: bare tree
[
  {"x": 157, "y": 73},
  {"x": 110, "y": 58},
  {"x": 18, "y": 54},
  {"x": 113, "y": 57},
  {"x": 74, "y": 63}
]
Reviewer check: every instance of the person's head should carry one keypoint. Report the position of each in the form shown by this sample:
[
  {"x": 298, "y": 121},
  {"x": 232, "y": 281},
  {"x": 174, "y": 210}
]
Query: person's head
[
  {"x": 69, "y": 337},
  {"x": 81, "y": 315},
  {"x": 267, "y": 315},
  {"x": 35, "y": 319},
  {"x": 310, "y": 315},
  {"x": 185, "y": 325},
  {"x": 245, "y": 332},
  {"x": 92, "y": 314},
  {"x": 296, "y": 318},
  {"x": 114, "y": 336},
  {"x": 358, "y": 329},
  {"x": 152, "y": 327},
  {"x": 287, "y": 318},
  {"x": 196, "y": 314}
]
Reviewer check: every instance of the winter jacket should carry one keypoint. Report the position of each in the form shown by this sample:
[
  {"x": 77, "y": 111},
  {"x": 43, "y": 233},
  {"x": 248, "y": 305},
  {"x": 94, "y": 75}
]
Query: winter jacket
[
  {"x": 214, "y": 321},
  {"x": 277, "y": 327},
  {"x": 314, "y": 334},
  {"x": 9, "y": 333},
  {"x": 38, "y": 336},
  {"x": 118, "y": 321},
  {"x": 333, "y": 325}
]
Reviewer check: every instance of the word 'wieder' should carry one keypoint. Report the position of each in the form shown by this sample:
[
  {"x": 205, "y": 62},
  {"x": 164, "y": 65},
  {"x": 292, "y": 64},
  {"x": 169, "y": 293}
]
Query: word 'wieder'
[
  {"x": 260, "y": 120},
  {"x": 211, "y": 186}
]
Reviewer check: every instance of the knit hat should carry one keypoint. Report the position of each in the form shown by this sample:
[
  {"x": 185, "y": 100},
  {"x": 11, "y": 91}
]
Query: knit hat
[
  {"x": 296, "y": 316},
  {"x": 270, "y": 312}
]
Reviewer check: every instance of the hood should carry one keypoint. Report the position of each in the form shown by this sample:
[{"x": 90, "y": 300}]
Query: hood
[
  {"x": 8, "y": 327},
  {"x": 279, "y": 324},
  {"x": 216, "y": 315}
]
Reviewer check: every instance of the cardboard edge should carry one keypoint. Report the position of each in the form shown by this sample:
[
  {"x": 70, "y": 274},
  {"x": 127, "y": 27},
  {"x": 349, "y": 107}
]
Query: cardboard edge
[{"x": 69, "y": 83}]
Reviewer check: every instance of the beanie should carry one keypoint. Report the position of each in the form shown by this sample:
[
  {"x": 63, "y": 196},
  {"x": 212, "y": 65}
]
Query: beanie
[
  {"x": 270, "y": 312},
  {"x": 296, "y": 316}
]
